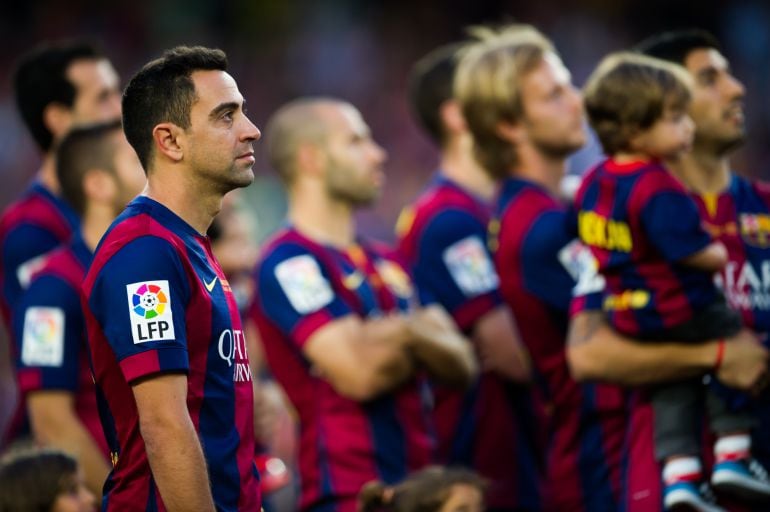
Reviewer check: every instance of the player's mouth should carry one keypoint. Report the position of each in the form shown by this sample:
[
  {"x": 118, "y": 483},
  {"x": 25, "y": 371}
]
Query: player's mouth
[{"x": 248, "y": 157}]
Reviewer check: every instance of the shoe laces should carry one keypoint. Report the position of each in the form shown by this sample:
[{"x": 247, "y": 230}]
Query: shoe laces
[
  {"x": 757, "y": 470},
  {"x": 705, "y": 491}
]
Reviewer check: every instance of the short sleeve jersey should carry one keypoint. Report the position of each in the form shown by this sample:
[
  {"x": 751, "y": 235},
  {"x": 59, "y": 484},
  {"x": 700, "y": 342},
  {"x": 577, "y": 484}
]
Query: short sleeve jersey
[
  {"x": 48, "y": 324},
  {"x": 301, "y": 287},
  {"x": 156, "y": 301},
  {"x": 640, "y": 223},
  {"x": 443, "y": 238},
  {"x": 30, "y": 228},
  {"x": 539, "y": 261}
]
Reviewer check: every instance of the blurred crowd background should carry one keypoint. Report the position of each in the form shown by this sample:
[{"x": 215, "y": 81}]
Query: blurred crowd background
[{"x": 362, "y": 50}]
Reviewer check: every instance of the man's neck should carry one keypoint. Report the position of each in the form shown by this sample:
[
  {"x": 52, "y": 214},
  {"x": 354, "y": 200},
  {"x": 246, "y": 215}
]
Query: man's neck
[
  {"x": 703, "y": 172},
  {"x": 194, "y": 202},
  {"x": 94, "y": 224},
  {"x": 47, "y": 173},
  {"x": 459, "y": 165},
  {"x": 537, "y": 167},
  {"x": 321, "y": 218}
]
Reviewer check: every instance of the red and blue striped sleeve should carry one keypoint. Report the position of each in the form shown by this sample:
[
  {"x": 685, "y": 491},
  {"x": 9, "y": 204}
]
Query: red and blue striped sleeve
[
  {"x": 295, "y": 291},
  {"x": 669, "y": 216},
  {"x": 48, "y": 327},
  {"x": 454, "y": 267},
  {"x": 139, "y": 299}
]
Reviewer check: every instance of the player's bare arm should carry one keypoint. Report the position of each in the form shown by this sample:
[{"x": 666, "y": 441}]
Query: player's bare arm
[
  {"x": 173, "y": 448},
  {"x": 596, "y": 352},
  {"x": 441, "y": 347},
  {"x": 499, "y": 345},
  {"x": 55, "y": 423},
  {"x": 362, "y": 358}
]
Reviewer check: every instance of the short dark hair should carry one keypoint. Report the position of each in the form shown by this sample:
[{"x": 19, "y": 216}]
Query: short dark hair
[
  {"x": 32, "y": 480},
  {"x": 427, "y": 489},
  {"x": 40, "y": 78},
  {"x": 163, "y": 91},
  {"x": 84, "y": 149},
  {"x": 629, "y": 92},
  {"x": 430, "y": 85},
  {"x": 676, "y": 45}
]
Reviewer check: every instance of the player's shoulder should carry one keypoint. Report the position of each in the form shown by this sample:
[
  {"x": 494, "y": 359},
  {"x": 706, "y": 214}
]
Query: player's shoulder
[
  {"x": 35, "y": 206},
  {"x": 522, "y": 203},
  {"x": 441, "y": 199},
  {"x": 288, "y": 251}
]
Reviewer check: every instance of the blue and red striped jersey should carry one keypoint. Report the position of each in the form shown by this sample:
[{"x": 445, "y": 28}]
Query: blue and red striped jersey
[
  {"x": 739, "y": 217},
  {"x": 49, "y": 327},
  {"x": 155, "y": 300},
  {"x": 539, "y": 261},
  {"x": 302, "y": 286},
  {"x": 640, "y": 223},
  {"x": 488, "y": 428},
  {"x": 30, "y": 228}
]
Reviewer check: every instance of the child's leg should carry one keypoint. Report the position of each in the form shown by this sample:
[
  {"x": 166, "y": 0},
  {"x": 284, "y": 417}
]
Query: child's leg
[
  {"x": 735, "y": 471},
  {"x": 677, "y": 408}
]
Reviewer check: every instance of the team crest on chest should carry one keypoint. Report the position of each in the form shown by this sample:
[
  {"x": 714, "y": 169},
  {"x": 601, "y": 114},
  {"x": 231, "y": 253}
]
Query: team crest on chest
[
  {"x": 395, "y": 278},
  {"x": 755, "y": 229}
]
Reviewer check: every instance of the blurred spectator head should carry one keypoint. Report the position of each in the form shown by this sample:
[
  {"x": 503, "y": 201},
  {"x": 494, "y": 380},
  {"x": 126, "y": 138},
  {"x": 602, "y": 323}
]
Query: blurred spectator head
[
  {"x": 34, "y": 480},
  {"x": 59, "y": 85},
  {"x": 434, "y": 489}
]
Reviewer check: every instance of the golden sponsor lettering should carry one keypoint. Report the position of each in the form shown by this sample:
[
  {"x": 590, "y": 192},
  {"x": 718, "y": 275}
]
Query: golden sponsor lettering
[
  {"x": 629, "y": 299},
  {"x": 598, "y": 231}
]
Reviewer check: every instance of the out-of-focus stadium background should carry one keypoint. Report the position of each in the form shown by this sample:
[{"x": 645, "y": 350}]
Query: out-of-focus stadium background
[{"x": 361, "y": 50}]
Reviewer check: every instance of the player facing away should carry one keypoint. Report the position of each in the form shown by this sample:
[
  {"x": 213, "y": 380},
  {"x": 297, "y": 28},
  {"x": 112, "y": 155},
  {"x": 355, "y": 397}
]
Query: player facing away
[
  {"x": 99, "y": 174},
  {"x": 56, "y": 86},
  {"x": 337, "y": 317},
  {"x": 526, "y": 118},
  {"x": 658, "y": 262},
  {"x": 164, "y": 332},
  {"x": 443, "y": 237}
]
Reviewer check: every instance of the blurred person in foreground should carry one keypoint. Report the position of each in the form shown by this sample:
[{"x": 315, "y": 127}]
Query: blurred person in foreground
[
  {"x": 442, "y": 236},
  {"x": 43, "y": 481},
  {"x": 99, "y": 174},
  {"x": 337, "y": 318},
  {"x": 56, "y": 86},
  {"x": 433, "y": 489},
  {"x": 526, "y": 118},
  {"x": 168, "y": 352}
]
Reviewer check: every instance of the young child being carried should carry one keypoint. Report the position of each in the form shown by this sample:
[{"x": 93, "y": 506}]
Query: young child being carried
[{"x": 658, "y": 262}]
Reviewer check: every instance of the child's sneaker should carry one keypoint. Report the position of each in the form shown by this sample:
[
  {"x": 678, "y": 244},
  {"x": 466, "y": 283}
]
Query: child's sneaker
[
  {"x": 685, "y": 495},
  {"x": 744, "y": 478}
]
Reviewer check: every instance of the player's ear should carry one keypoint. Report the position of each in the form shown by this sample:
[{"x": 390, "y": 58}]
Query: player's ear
[
  {"x": 311, "y": 159},
  {"x": 510, "y": 132},
  {"x": 169, "y": 141},
  {"x": 452, "y": 116},
  {"x": 57, "y": 118},
  {"x": 99, "y": 186}
]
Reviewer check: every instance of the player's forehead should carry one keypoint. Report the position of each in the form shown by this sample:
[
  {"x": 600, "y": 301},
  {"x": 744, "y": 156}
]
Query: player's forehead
[
  {"x": 213, "y": 88},
  {"x": 92, "y": 73},
  {"x": 344, "y": 120},
  {"x": 703, "y": 59},
  {"x": 550, "y": 72}
]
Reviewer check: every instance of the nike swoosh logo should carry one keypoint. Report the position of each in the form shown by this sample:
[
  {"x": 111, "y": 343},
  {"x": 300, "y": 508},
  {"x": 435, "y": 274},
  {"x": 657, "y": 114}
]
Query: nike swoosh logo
[{"x": 210, "y": 286}]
